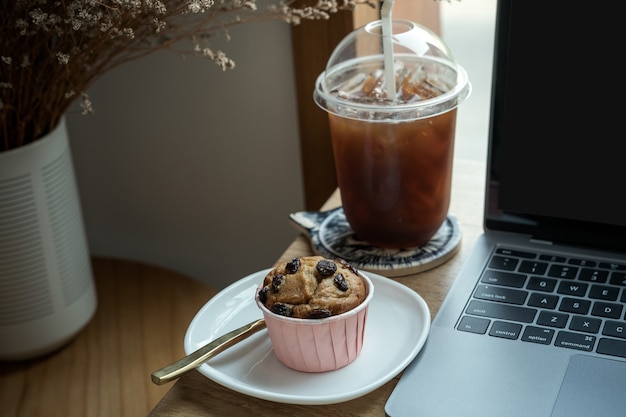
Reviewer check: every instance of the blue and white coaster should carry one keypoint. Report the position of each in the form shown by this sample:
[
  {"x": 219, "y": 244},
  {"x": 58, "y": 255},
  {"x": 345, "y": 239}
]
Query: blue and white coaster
[{"x": 332, "y": 237}]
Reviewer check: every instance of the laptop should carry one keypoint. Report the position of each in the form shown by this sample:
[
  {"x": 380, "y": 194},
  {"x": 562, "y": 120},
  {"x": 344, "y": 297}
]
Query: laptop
[{"x": 534, "y": 324}]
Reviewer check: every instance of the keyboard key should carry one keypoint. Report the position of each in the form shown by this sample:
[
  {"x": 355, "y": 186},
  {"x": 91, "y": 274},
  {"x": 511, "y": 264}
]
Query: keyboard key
[
  {"x": 533, "y": 267},
  {"x": 473, "y": 325},
  {"x": 582, "y": 262},
  {"x": 552, "y": 319},
  {"x": 500, "y": 294},
  {"x": 551, "y": 258},
  {"x": 505, "y": 330},
  {"x": 503, "y": 262},
  {"x": 612, "y": 347},
  {"x": 575, "y": 305},
  {"x": 541, "y": 284},
  {"x": 572, "y": 288},
  {"x": 602, "y": 292},
  {"x": 575, "y": 341},
  {"x": 593, "y": 275},
  {"x": 518, "y": 253},
  {"x": 538, "y": 335},
  {"x": 612, "y": 266},
  {"x": 543, "y": 300},
  {"x": 615, "y": 329},
  {"x": 585, "y": 324},
  {"x": 563, "y": 271},
  {"x": 618, "y": 278},
  {"x": 508, "y": 279},
  {"x": 501, "y": 311},
  {"x": 609, "y": 310}
]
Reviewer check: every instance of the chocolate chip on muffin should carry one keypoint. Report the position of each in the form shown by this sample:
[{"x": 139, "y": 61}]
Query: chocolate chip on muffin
[{"x": 312, "y": 287}]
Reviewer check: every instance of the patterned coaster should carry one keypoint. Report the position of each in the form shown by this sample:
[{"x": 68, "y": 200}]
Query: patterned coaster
[{"x": 332, "y": 237}]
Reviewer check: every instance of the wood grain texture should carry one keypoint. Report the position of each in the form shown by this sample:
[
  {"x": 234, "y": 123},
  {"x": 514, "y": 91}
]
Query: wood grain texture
[
  {"x": 142, "y": 316},
  {"x": 312, "y": 44},
  {"x": 193, "y": 395},
  {"x": 196, "y": 396}
]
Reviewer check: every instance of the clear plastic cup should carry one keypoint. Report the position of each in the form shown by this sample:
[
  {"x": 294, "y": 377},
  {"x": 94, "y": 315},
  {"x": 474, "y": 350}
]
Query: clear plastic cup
[{"x": 393, "y": 155}]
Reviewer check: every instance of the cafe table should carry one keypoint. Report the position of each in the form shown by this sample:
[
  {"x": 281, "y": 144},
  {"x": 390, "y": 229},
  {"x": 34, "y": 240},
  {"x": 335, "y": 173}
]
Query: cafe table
[
  {"x": 143, "y": 314},
  {"x": 194, "y": 395}
]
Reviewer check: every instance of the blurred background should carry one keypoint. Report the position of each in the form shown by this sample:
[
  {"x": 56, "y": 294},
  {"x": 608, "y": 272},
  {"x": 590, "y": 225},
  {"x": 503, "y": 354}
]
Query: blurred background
[{"x": 196, "y": 170}]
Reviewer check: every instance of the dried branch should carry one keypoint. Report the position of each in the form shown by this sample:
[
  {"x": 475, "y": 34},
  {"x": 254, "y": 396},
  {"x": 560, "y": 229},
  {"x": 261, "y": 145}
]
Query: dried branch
[{"x": 51, "y": 51}]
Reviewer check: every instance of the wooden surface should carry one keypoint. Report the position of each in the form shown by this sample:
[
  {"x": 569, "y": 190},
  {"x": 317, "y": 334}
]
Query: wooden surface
[
  {"x": 194, "y": 395},
  {"x": 312, "y": 44},
  {"x": 142, "y": 316}
]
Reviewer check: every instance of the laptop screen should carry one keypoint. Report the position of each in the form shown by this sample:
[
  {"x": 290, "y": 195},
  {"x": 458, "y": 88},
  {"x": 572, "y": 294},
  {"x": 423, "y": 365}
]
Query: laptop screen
[{"x": 557, "y": 151}]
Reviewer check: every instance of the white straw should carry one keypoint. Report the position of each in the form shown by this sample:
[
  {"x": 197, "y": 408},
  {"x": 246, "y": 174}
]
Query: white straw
[{"x": 385, "y": 16}]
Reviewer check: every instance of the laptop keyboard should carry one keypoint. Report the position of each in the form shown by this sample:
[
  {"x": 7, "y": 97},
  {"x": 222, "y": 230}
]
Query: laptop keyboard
[{"x": 567, "y": 302}]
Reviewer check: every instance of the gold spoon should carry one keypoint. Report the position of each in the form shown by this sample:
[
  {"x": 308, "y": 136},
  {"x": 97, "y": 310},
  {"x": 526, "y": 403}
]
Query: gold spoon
[{"x": 206, "y": 352}]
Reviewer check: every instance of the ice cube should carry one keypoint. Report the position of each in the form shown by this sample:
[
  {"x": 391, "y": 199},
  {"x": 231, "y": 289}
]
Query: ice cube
[
  {"x": 413, "y": 83},
  {"x": 417, "y": 85}
]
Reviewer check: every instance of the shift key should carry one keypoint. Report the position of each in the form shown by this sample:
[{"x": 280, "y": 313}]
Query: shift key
[{"x": 501, "y": 311}]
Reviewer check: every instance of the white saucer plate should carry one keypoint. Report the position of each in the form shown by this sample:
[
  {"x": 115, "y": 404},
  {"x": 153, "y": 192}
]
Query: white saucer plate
[{"x": 397, "y": 327}]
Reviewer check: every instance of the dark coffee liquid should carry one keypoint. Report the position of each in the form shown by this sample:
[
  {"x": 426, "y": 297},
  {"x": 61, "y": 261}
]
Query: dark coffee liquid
[{"x": 394, "y": 177}]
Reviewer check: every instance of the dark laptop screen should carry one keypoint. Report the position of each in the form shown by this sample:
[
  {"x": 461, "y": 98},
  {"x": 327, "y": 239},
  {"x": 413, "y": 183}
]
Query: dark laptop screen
[{"x": 557, "y": 148}]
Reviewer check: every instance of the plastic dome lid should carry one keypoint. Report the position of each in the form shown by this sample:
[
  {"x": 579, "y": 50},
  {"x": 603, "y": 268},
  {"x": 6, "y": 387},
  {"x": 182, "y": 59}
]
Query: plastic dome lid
[{"x": 428, "y": 79}]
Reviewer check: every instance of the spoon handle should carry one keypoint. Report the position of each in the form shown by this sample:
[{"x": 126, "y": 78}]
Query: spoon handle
[{"x": 206, "y": 352}]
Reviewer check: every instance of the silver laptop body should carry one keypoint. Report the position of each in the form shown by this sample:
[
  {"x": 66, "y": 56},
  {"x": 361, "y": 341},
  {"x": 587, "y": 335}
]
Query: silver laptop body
[{"x": 534, "y": 325}]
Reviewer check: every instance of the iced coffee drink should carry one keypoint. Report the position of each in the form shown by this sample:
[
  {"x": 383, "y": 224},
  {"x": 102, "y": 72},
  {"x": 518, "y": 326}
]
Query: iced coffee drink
[{"x": 393, "y": 155}]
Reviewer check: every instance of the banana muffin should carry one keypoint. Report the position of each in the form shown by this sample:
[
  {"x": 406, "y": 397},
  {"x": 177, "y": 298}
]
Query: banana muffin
[{"x": 312, "y": 287}]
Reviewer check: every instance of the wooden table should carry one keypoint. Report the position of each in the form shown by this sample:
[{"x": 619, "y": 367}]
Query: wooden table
[
  {"x": 142, "y": 316},
  {"x": 194, "y": 395}
]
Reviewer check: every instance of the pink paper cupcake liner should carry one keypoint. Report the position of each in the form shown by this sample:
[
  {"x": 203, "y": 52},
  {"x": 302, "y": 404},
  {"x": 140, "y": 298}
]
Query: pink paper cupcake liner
[{"x": 319, "y": 345}]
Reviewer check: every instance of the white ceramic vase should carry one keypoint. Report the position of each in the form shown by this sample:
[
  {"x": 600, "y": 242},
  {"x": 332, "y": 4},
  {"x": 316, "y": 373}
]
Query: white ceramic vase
[{"x": 47, "y": 292}]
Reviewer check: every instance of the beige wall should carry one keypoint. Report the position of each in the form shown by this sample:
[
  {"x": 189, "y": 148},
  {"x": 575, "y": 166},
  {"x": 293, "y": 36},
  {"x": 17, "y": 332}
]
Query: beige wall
[
  {"x": 192, "y": 168},
  {"x": 197, "y": 170}
]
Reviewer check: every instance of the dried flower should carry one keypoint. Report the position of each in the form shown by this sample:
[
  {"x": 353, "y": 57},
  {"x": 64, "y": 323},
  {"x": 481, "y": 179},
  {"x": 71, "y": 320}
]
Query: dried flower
[{"x": 51, "y": 51}]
